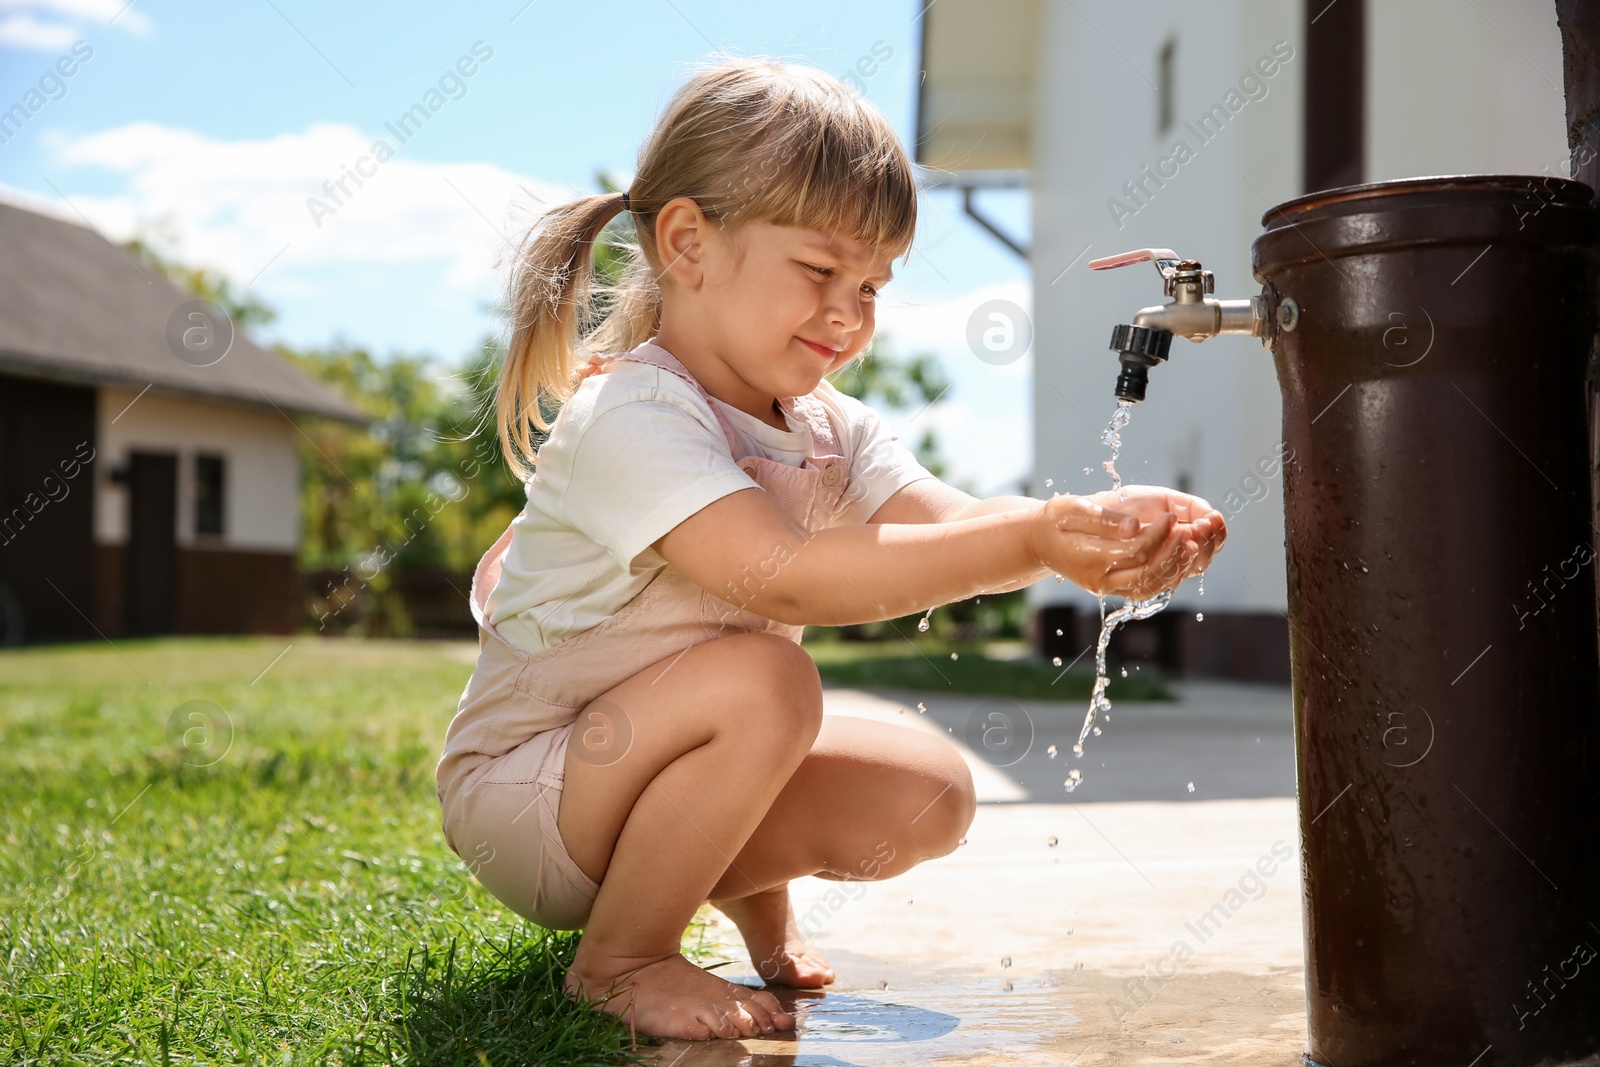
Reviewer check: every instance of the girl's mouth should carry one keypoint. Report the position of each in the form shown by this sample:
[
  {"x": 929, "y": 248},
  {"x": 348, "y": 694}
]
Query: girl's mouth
[{"x": 821, "y": 350}]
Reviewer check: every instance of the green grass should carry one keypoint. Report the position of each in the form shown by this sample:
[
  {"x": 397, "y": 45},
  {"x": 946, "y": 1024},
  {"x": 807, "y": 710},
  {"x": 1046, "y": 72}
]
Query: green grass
[
  {"x": 271, "y": 884},
  {"x": 925, "y": 665},
  {"x": 271, "y": 887}
]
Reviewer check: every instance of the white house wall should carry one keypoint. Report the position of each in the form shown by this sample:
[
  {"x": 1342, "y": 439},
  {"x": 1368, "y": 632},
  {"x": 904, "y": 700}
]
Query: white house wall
[
  {"x": 1464, "y": 88},
  {"x": 1212, "y": 411},
  {"x": 1447, "y": 92},
  {"x": 262, "y": 468}
]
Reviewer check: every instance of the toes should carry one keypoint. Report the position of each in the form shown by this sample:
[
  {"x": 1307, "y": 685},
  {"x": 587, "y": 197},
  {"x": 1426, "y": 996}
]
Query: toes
[
  {"x": 720, "y": 1023},
  {"x": 761, "y": 1014},
  {"x": 780, "y": 1018}
]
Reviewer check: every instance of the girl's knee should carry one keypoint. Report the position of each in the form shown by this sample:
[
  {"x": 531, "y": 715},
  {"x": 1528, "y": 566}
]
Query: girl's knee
[
  {"x": 939, "y": 829},
  {"x": 782, "y": 679}
]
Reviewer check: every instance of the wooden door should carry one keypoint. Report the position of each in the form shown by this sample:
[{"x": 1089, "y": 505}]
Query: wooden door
[{"x": 152, "y": 560}]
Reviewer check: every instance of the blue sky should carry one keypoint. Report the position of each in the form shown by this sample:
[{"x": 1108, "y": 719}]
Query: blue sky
[{"x": 208, "y": 127}]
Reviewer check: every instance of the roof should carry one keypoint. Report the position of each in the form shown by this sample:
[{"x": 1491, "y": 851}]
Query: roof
[
  {"x": 75, "y": 308},
  {"x": 975, "y": 100}
]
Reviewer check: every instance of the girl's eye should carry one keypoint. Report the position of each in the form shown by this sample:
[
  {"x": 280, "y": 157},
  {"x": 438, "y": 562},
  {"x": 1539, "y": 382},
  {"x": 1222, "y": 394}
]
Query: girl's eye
[{"x": 825, "y": 272}]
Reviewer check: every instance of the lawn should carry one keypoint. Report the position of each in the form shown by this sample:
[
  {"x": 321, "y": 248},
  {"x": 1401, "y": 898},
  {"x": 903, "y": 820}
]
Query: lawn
[
  {"x": 268, "y": 884},
  {"x": 228, "y": 849},
  {"x": 995, "y": 669}
]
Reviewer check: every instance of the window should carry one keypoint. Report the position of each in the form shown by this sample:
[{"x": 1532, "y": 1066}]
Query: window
[
  {"x": 1335, "y": 113},
  {"x": 208, "y": 498},
  {"x": 1164, "y": 86}
]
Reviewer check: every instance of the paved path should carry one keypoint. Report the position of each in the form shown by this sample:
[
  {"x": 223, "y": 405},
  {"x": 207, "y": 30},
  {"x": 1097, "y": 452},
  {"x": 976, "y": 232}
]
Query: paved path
[{"x": 1160, "y": 927}]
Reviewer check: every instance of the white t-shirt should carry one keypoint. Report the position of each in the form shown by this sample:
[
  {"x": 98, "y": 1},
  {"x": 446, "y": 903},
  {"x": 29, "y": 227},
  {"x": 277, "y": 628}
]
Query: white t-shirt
[{"x": 632, "y": 453}]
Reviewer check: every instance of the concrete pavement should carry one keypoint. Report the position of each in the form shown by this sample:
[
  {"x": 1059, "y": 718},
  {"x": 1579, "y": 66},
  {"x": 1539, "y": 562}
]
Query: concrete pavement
[{"x": 1130, "y": 922}]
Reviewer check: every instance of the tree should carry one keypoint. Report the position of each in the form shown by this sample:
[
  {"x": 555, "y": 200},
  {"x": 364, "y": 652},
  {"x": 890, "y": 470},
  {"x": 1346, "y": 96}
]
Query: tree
[
  {"x": 245, "y": 311},
  {"x": 898, "y": 384}
]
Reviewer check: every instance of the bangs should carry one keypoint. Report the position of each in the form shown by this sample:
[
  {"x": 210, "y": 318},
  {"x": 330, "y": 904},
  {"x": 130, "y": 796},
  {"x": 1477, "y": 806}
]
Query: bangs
[
  {"x": 834, "y": 186},
  {"x": 815, "y": 154}
]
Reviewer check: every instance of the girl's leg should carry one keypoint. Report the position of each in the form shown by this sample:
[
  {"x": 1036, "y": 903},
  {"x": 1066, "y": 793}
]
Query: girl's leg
[
  {"x": 713, "y": 736},
  {"x": 870, "y": 801}
]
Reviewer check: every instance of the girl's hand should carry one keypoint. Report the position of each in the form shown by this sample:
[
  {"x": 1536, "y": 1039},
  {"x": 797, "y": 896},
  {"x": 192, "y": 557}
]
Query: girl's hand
[{"x": 1134, "y": 545}]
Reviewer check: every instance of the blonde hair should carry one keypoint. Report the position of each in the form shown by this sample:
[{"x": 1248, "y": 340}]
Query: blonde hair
[{"x": 746, "y": 139}]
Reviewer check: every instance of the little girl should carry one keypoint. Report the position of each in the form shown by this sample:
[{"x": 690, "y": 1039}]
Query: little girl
[{"x": 643, "y": 732}]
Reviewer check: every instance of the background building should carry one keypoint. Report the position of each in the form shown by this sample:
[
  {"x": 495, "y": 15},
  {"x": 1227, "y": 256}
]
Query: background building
[
  {"x": 1179, "y": 126},
  {"x": 149, "y": 465}
]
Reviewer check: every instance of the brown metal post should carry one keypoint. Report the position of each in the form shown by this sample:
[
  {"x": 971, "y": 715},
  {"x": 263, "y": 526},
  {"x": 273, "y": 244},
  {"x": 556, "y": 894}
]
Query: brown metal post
[{"x": 1432, "y": 342}]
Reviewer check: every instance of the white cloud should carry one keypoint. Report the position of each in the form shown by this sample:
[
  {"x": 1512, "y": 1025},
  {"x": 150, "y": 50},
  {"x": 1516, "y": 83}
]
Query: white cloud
[
  {"x": 239, "y": 205},
  {"x": 51, "y": 25}
]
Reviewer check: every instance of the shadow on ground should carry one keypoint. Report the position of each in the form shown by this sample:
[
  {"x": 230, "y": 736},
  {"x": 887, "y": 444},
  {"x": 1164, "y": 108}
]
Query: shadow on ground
[{"x": 1232, "y": 741}]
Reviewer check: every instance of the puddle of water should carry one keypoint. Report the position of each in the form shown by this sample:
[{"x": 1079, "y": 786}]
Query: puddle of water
[
  {"x": 947, "y": 1022},
  {"x": 1215, "y": 1019}
]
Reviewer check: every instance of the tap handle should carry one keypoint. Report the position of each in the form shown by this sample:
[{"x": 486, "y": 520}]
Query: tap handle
[{"x": 1165, "y": 259}]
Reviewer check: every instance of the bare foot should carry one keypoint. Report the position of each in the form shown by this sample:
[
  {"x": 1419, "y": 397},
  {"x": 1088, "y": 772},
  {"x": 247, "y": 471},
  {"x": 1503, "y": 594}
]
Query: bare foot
[
  {"x": 671, "y": 997},
  {"x": 781, "y": 957}
]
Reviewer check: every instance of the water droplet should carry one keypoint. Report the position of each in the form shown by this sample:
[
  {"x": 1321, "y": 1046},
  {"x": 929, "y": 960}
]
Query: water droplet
[
  {"x": 1201, "y": 590},
  {"x": 962, "y": 841},
  {"x": 1005, "y": 961},
  {"x": 1051, "y": 752},
  {"x": 922, "y": 624},
  {"x": 922, "y": 709},
  {"x": 1052, "y": 842},
  {"x": 1069, "y": 931},
  {"x": 1055, "y": 661},
  {"x": 955, "y": 655},
  {"x": 1124, "y": 672},
  {"x": 1006, "y": 985},
  {"x": 1077, "y": 749},
  {"x": 1048, "y": 482},
  {"x": 1199, "y": 616},
  {"x": 1078, "y": 966},
  {"x": 1097, "y": 731},
  {"x": 1087, "y": 470},
  {"x": 1058, "y": 633},
  {"x": 881, "y": 983},
  {"x": 1059, "y": 579},
  {"x": 1074, "y": 779},
  {"x": 1191, "y": 787}
]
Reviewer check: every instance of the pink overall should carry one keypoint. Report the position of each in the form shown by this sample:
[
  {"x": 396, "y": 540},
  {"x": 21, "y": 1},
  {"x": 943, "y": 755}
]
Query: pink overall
[{"x": 505, "y": 750}]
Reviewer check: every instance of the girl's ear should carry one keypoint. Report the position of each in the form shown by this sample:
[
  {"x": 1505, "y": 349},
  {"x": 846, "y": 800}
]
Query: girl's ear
[{"x": 681, "y": 233}]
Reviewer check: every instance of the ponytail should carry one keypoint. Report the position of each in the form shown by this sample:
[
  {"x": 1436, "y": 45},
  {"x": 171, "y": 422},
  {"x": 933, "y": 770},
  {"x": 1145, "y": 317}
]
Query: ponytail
[{"x": 551, "y": 281}]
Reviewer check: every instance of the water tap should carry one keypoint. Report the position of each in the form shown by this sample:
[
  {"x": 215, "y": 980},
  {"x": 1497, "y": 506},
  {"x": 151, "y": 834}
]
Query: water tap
[{"x": 1193, "y": 313}]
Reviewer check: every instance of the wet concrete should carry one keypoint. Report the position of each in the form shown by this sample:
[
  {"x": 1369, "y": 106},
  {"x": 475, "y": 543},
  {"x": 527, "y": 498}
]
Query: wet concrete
[{"x": 1152, "y": 931}]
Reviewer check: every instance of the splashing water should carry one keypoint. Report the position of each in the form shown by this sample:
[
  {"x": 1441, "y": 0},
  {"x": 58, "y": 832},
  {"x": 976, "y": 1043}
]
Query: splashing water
[
  {"x": 1112, "y": 439},
  {"x": 1130, "y": 609}
]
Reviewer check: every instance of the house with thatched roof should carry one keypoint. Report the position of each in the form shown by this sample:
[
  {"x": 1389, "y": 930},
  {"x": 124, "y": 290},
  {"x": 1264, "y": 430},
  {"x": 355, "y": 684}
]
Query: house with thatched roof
[{"x": 149, "y": 465}]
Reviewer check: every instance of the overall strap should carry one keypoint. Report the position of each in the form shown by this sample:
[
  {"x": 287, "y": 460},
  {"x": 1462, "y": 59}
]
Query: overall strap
[
  {"x": 807, "y": 409},
  {"x": 814, "y": 413},
  {"x": 657, "y": 356}
]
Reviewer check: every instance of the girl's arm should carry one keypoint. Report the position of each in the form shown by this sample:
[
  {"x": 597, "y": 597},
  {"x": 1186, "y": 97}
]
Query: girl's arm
[
  {"x": 744, "y": 549},
  {"x": 931, "y": 500}
]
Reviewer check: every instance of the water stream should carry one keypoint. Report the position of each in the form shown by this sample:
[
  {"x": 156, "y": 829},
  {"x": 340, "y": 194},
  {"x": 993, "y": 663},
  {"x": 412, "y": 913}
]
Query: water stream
[{"x": 1099, "y": 703}]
